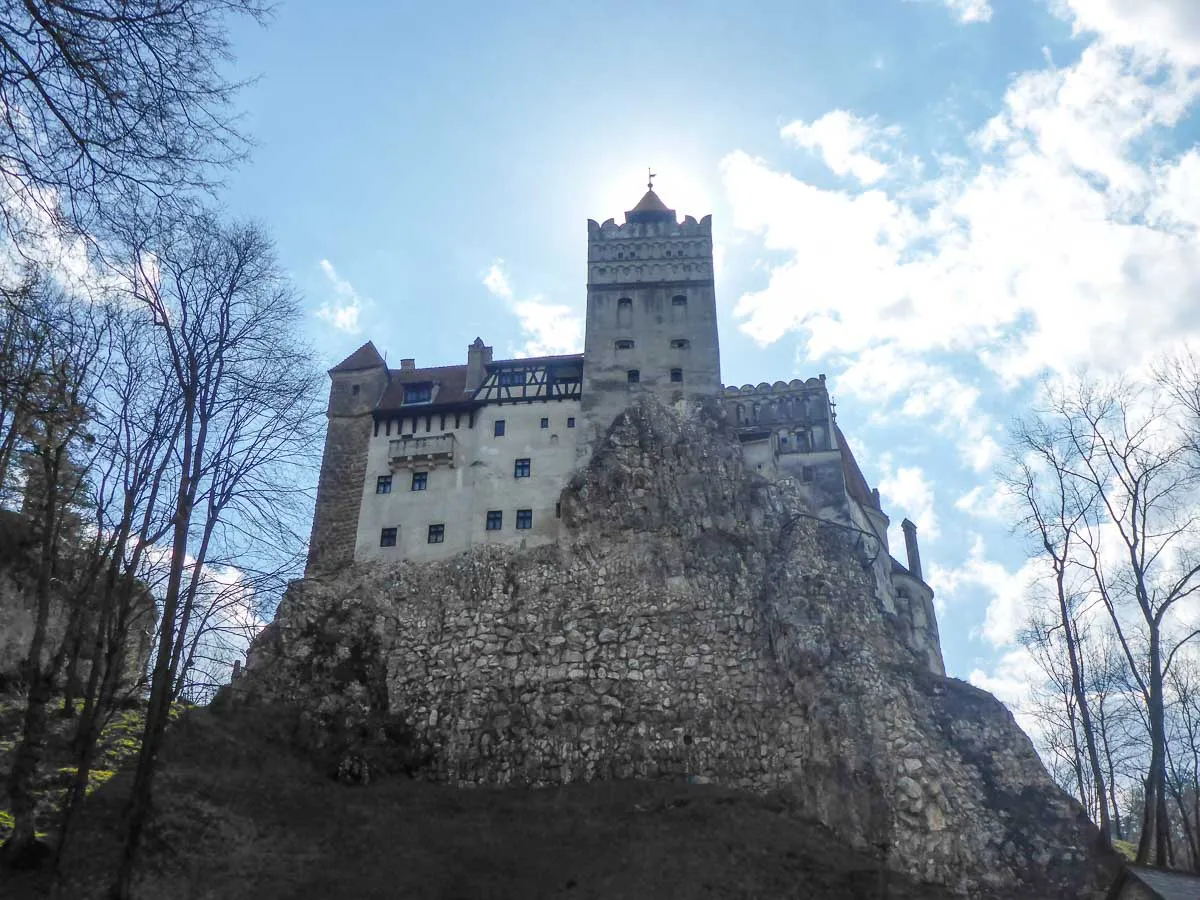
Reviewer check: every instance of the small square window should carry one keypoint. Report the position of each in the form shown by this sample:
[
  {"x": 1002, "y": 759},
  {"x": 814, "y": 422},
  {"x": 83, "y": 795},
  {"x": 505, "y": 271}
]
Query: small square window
[
  {"x": 498, "y": 430},
  {"x": 521, "y": 469},
  {"x": 524, "y": 518},
  {"x": 383, "y": 484},
  {"x": 437, "y": 534},
  {"x": 633, "y": 376},
  {"x": 387, "y": 537},
  {"x": 545, "y": 423},
  {"x": 570, "y": 421},
  {"x": 495, "y": 519},
  {"x": 420, "y": 480},
  {"x": 677, "y": 375}
]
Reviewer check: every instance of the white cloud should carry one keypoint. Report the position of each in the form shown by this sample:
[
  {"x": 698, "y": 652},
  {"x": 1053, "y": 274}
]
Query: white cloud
[
  {"x": 343, "y": 311},
  {"x": 845, "y": 143},
  {"x": 549, "y": 329},
  {"x": 967, "y": 11},
  {"x": 1009, "y": 593},
  {"x": 908, "y": 491},
  {"x": 1169, "y": 27}
]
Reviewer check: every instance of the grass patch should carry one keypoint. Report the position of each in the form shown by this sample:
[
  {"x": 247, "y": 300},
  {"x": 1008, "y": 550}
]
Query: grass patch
[{"x": 1126, "y": 849}]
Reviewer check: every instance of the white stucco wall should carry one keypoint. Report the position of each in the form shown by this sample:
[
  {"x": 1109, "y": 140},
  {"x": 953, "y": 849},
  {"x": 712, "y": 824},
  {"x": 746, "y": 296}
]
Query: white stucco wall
[{"x": 480, "y": 480}]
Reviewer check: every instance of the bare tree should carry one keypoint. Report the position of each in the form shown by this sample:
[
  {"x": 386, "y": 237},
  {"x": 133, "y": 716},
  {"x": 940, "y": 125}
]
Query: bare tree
[
  {"x": 1121, "y": 452},
  {"x": 57, "y": 418},
  {"x": 226, "y": 320},
  {"x": 106, "y": 100},
  {"x": 1056, "y": 504}
]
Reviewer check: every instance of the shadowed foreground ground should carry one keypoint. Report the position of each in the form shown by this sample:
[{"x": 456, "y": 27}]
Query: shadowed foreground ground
[{"x": 240, "y": 816}]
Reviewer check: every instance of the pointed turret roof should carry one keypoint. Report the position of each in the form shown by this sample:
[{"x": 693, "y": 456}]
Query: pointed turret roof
[
  {"x": 650, "y": 208},
  {"x": 365, "y": 357}
]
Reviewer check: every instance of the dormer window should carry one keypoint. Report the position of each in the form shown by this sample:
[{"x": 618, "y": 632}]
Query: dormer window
[
  {"x": 625, "y": 345},
  {"x": 418, "y": 393}
]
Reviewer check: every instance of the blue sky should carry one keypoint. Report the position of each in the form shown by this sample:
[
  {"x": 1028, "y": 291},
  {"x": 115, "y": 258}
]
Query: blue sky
[{"x": 931, "y": 201}]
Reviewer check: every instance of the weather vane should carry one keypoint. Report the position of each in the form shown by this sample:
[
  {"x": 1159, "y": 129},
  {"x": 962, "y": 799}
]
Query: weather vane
[{"x": 650, "y": 180}]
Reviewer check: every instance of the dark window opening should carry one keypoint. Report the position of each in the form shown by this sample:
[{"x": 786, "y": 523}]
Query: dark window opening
[
  {"x": 806, "y": 474},
  {"x": 437, "y": 534},
  {"x": 521, "y": 469},
  {"x": 558, "y": 510},
  {"x": 680, "y": 344},
  {"x": 420, "y": 480},
  {"x": 495, "y": 519},
  {"x": 624, "y": 345},
  {"x": 354, "y": 390},
  {"x": 633, "y": 376},
  {"x": 387, "y": 537},
  {"x": 679, "y": 300},
  {"x": 418, "y": 393},
  {"x": 498, "y": 429},
  {"x": 383, "y": 484},
  {"x": 677, "y": 375},
  {"x": 545, "y": 423},
  {"x": 512, "y": 379},
  {"x": 524, "y": 518},
  {"x": 570, "y": 421}
]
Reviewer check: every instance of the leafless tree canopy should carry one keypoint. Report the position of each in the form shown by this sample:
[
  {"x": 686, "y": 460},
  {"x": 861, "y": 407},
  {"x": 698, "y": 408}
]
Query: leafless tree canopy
[
  {"x": 108, "y": 99},
  {"x": 1107, "y": 475}
]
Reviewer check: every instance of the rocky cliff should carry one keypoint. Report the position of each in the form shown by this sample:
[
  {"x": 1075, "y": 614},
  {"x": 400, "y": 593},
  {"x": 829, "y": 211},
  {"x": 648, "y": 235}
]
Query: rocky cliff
[{"x": 694, "y": 624}]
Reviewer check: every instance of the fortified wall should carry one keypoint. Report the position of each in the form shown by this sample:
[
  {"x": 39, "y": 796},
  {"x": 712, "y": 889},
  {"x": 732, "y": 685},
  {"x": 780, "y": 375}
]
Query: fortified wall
[{"x": 696, "y": 620}]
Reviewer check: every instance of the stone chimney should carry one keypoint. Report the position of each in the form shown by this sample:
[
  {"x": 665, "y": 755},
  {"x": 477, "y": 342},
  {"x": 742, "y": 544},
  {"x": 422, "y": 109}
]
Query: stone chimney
[
  {"x": 407, "y": 365},
  {"x": 910, "y": 545},
  {"x": 478, "y": 357}
]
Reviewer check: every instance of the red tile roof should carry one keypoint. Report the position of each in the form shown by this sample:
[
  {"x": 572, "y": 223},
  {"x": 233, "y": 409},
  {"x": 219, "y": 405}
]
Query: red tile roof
[
  {"x": 365, "y": 357},
  {"x": 856, "y": 484}
]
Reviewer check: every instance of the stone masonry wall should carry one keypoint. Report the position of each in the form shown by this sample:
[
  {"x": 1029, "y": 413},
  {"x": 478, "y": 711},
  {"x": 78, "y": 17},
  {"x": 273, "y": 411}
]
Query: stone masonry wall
[
  {"x": 339, "y": 492},
  {"x": 688, "y": 626}
]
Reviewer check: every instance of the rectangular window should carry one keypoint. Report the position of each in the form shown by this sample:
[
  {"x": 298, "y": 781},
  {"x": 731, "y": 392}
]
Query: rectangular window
[
  {"x": 570, "y": 421},
  {"x": 498, "y": 430},
  {"x": 545, "y": 423},
  {"x": 495, "y": 520},
  {"x": 633, "y": 376},
  {"x": 511, "y": 379},
  {"x": 418, "y": 393},
  {"x": 420, "y": 480},
  {"x": 677, "y": 375},
  {"x": 521, "y": 469},
  {"x": 524, "y": 518},
  {"x": 558, "y": 510},
  {"x": 383, "y": 484},
  {"x": 387, "y": 537},
  {"x": 437, "y": 534}
]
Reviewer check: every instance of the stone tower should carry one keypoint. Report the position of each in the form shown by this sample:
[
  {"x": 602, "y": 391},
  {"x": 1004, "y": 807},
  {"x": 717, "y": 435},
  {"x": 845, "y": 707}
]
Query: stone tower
[
  {"x": 357, "y": 384},
  {"x": 651, "y": 311}
]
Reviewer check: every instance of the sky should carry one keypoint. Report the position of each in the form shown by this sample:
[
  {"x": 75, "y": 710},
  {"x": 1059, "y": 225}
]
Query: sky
[{"x": 933, "y": 202}]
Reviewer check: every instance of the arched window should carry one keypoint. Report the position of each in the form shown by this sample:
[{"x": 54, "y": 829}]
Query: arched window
[
  {"x": 624, "y": 344},
  {"x": 624, "y": 312}
]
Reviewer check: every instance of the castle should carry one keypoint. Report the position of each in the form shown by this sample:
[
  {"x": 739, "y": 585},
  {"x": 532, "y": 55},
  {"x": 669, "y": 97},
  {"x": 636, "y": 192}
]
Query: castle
[{"x": 424, "y": 463}]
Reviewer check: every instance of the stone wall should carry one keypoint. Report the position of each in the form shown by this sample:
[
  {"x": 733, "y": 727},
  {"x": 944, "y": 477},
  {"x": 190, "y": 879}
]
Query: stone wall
[{"x": 687, "y": 626}]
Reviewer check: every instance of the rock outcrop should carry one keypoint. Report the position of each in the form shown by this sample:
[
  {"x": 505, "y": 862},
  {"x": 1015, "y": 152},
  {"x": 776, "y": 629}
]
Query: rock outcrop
[{"x": 695, "y": 624}]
